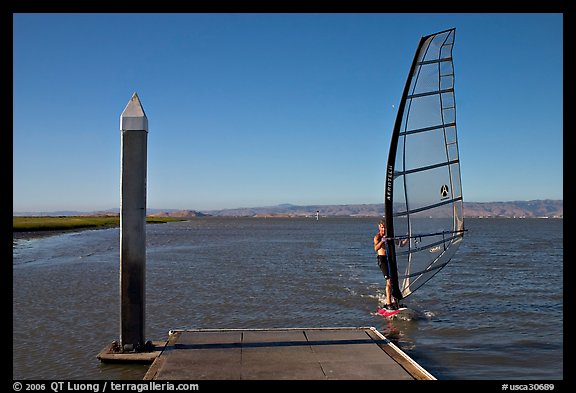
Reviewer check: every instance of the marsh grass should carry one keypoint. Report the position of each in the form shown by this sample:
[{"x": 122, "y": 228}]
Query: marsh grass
[{"x": 59, "y": 223}]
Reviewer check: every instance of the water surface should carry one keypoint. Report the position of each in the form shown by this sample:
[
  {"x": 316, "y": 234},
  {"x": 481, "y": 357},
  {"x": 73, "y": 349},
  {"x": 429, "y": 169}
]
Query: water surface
[{"x": 492, "y": 313}]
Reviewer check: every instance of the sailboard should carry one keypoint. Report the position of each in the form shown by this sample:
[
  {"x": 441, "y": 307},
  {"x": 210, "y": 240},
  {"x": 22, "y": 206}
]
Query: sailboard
[
  {"x": 423, "y": 202},
  {"x": 389, "y": 313}
]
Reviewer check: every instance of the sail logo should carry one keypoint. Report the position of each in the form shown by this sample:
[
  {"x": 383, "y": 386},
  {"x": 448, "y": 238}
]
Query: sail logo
[
  {"x": 444, "y": 192},
  {"x": 389, "y": 179}
]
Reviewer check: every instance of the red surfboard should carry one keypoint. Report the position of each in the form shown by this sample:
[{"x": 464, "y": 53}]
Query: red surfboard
[{"x": 388, "y": 313}]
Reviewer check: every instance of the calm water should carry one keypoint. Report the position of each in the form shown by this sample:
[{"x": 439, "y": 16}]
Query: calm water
[{"x": 495, "y": 312}]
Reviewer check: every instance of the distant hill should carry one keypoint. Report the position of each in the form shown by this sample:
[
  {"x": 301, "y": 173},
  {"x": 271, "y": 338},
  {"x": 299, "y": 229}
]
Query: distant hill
[
  {"x": 536, "y": 208},
  {"x": 178, "y": 214},
  {"x": 516, "y": 209},
  {"x": 365, "y": 210}
]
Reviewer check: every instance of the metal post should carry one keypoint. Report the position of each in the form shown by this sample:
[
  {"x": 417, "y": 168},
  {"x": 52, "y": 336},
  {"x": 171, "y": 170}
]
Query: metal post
[{"x": 134, "y": 135}]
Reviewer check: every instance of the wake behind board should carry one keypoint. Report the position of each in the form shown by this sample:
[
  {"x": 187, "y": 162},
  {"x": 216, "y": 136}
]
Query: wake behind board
[{"x": 389, "y": 313}]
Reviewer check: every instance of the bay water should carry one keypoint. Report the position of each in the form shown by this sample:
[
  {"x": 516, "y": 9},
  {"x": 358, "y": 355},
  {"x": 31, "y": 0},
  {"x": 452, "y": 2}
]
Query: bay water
[{"x": 495, "y": 312}]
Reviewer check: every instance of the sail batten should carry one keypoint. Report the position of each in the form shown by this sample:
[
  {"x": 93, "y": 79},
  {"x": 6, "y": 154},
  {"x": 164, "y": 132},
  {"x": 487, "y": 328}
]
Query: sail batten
[
  {"x": 407, "y": 172},
  {"x": 431, "y": 128},
  {"x": 430, "y": 93},
  {"x": 435, "y": 61},
  {"x": 429, "y": 207},
  {"x": 423, "y": 202}
]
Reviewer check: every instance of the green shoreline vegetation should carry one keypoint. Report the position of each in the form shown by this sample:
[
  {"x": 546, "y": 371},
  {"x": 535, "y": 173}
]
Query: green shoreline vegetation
[{"x": 62, "y": 223}]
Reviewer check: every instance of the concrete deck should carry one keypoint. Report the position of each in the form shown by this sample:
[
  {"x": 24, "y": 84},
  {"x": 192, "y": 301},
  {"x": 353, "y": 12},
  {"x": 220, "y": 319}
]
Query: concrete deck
[{"x": 283, "y": 354}]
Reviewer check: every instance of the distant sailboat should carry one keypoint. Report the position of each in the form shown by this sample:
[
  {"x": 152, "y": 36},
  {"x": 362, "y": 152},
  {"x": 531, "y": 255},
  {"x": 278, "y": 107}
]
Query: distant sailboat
[{"x": 423, "y": 192}]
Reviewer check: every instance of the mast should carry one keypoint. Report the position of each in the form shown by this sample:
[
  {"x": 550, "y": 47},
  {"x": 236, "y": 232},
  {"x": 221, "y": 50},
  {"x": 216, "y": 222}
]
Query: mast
[{"x": 389, "y": 188}]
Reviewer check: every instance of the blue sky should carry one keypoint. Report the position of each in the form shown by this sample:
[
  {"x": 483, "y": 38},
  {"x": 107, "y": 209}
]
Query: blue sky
[{"x": 250, "y": 110}]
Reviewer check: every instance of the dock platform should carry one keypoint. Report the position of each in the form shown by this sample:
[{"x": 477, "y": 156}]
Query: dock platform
[{"x": 356, "y": 353}]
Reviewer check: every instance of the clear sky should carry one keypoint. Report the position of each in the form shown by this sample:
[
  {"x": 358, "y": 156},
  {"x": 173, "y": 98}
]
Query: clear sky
[{"x": 249, "y": 110}]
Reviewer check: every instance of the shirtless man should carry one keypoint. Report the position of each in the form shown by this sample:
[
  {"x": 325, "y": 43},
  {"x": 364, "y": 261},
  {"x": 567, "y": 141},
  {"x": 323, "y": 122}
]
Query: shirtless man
[{"x": 380, "y": 248}]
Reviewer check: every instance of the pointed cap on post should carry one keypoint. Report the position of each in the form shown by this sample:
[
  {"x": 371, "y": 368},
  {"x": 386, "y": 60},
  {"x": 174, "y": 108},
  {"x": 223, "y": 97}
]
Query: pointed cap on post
[{"x": 133, "y": 118}]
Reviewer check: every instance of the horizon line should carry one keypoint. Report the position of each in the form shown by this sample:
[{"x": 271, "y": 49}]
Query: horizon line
[{"x": 255, "y": 207}]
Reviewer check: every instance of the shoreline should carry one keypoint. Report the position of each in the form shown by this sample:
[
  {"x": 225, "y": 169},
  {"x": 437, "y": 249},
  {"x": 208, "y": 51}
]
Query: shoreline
[
  {"x": 30, "y": 235},
  {"x": 28, "y": 228}
]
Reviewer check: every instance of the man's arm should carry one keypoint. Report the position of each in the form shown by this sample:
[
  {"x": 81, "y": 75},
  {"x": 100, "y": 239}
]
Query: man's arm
[{"x": 378, "y": 242}]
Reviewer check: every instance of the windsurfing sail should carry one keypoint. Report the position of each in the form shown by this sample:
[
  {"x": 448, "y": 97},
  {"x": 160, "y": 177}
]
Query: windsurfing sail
[{"x": 423, "y": 203}]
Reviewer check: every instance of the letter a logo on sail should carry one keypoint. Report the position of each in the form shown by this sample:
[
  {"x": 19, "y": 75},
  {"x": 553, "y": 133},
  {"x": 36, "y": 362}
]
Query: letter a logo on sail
[{"x": 444, "y": 191}]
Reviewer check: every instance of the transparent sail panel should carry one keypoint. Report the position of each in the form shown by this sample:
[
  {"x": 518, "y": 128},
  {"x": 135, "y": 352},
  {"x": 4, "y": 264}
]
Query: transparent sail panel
[
  {"x": 424, "y": 149},
  {"x": 424, "y": 112}
]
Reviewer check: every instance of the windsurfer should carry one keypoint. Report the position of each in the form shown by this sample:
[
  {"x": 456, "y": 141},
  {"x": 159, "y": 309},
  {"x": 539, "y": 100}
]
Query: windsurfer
[{"x": 380, "y": 248}]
